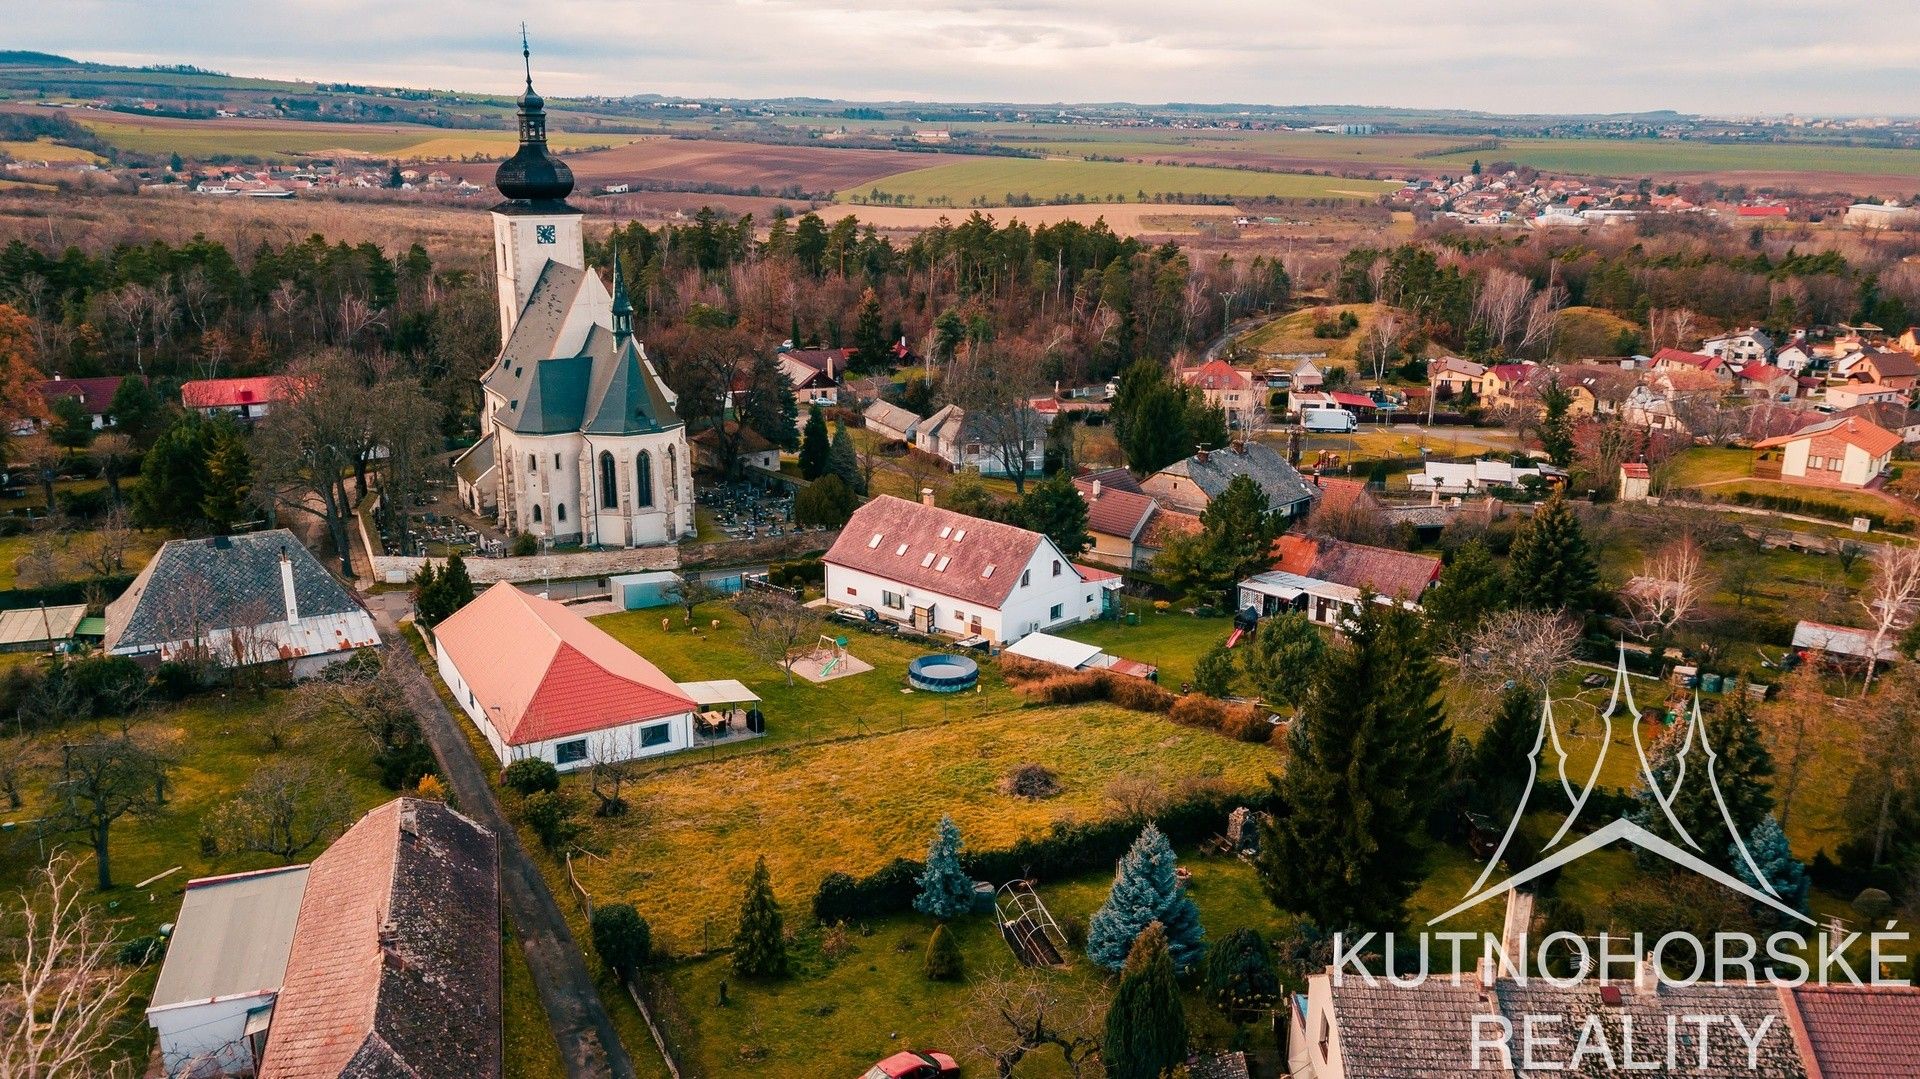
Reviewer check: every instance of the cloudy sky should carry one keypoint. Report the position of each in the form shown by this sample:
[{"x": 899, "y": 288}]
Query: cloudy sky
[{"x": 1714, "y": 56}]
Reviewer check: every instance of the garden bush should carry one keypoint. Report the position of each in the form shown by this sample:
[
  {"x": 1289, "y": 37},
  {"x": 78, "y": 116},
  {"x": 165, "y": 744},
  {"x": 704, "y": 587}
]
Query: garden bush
[{"x": 532, "y": 775}]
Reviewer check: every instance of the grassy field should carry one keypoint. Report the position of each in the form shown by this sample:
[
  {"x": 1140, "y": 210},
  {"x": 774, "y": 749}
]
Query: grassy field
[
  {"x": 68, "y": 551},
  {"x": 1588, "y": 331},
  {"x": 282, "y": 139},
  {"x": 1294, "y": 334},
  {"x": 684, "y": 852},
  {"x": 991, "y": 181},
  {"x": 1706, "y": 464},
  {"x": 1854, "y": 502},
  {"x": 46, "y": 150}
]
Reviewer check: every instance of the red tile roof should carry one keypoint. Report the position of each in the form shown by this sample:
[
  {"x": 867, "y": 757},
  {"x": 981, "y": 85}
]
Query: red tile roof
[
  {"x": 94, "y": 393},
  {"x": 1386, "y": 572},
  {"x": 233, "y": 392},
  {"x": 973, "y": 559},
  {"x": 1636, "y": 469},
  {"x": 1855, "y": 1032},
  {"x": 1166, "y": 524},
  {"x": 566, "y": 675},
  {"x": 1853, "y": 430},
  {"x": 1354, "y": 400},
  {"x": 1687, "y": 359},
  {"x": 1216, "y": 375},
  {"x": 1339, "y": 497},
  {"x": 1115, "y": 512},
  {"x": 395, "y": 963}
]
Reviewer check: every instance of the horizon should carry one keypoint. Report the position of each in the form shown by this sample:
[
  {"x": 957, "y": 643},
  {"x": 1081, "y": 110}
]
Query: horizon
[{"x": 1671, "y": 57}]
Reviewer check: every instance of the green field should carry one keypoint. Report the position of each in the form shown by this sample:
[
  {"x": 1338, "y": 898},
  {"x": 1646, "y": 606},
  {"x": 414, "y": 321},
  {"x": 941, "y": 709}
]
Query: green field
[
  {"x": 997, "y": 181},
  {"x": 1635, "y": 157},
  {"x": 288, "y": 139}
]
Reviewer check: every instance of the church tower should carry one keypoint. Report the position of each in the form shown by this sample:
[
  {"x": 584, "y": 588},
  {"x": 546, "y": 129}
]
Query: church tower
[{"x": 535, "y": 223}]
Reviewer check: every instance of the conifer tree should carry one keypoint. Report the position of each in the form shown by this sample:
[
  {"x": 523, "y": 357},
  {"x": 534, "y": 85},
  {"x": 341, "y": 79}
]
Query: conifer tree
[
  {"x": 1499, "y": 769},
  {"x": 869, "y": 339},
  {"x": 815, "y": 445},
  {"x": 1146, "y": 1026},
  {"x": 1145, "y": 890},
  {"x": 945, "y": 889},
  {"x": 456, "y": 582},
  {"x": 1556, "y": 425},
  {"x": 1213, "y": 671},
  {"x": 1285, "y": 657},
  {"x": 1470, "y": 588},
  {"x": 229, "y": 482},
  {"x": 760, "y": 944},
  {"x": 843, "y": 462},
  {"x": 1240, "y": 975},
  {"x": 1768, "y": 845},
  {"x": 1053, "y": 507},
  {"x": 1551, "y": 567},
  {"x": 427, "y": 606},
  {"x": 943, "y": 962},
  {"x": 1370, "y": 756},
  {"x": 1742, "y": 772}
]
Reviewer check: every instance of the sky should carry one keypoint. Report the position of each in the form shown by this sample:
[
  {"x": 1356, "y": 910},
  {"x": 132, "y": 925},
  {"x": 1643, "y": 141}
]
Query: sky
[{"x": 1811, "y": 57}]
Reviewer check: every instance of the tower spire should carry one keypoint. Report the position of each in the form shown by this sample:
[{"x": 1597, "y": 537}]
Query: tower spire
[
  {"x": 622, "y": 307},
  {"x": 526, "y": 56}
]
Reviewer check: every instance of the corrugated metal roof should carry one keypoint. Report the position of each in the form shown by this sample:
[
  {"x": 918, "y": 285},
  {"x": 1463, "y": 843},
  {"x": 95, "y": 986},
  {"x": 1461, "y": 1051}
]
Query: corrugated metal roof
[
  {"x": 232, "y": 936},
  {"x": 28, "y": 624},
  {"x": 1047, "y": 648},
  {"x": 719, "y": 691}
]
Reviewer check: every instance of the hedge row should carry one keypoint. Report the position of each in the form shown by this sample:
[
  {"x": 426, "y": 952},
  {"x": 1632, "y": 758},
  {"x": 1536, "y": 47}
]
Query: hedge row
[
  {"x": 1813, "y": 507},
  {"x": 1066, "y": 850}
]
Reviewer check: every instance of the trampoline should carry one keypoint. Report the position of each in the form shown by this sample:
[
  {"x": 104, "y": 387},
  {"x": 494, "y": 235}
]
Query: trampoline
[{"x": 943, "y": 673}]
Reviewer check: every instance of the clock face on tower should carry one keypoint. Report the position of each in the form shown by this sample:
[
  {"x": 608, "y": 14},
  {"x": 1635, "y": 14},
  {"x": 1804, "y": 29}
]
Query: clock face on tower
[{"x": 544, "y": 234}]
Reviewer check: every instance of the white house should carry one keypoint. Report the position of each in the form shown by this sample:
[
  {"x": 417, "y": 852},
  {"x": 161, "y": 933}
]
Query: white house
[
  {"x": 944, "y": 572},
  {"x": 890, "y": 421},
  {"x": 971, "y": 441},
  {"x": 540, "y": 681},
  {"x": 224, "y": 968},
  {"x": 240, "y": 601},
  {"x": 1751, "y": 345}
]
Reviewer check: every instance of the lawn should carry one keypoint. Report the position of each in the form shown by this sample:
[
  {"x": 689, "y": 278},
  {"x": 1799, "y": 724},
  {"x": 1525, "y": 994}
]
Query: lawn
[
  {"x": 1853, "y": 502},
  {"x": 1292, "y": 334},
  {"x": 1170, "y": 640},
  {"x": 47, "y": 150},
  {"x": 838, "y": 1015},
  {"x": 1706, "y": 464},
  {"x": 684, "y": 852},
  {"x": 69, "y": 549},
  {"x": 867, "y": 703},
  {"x": 997, "y": 181}
]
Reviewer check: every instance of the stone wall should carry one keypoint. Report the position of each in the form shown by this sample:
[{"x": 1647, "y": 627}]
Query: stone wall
[
  {"x": 394, "y": 569},
  {"x": 753, "y": 551}
]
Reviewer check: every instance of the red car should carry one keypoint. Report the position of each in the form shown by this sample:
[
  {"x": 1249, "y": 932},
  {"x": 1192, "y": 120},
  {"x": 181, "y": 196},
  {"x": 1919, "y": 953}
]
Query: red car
[{"x": 914, "y": 1064}]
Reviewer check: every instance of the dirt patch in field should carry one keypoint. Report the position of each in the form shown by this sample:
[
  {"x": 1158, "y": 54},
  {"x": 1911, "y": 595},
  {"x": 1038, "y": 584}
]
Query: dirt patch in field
[
  {"x": 1125, "y": 218},
  {"x": 735, "y": 164}
]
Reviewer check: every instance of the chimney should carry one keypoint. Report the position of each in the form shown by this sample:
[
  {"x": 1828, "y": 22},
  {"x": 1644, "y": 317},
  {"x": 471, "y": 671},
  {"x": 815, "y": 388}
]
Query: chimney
[
  {"x": 1513, "y": 932},
  {"x": 1489, "y": 973},
  {"x": 1200, "y": 455},
  {"x": 1096, "y": 490},
  {"x": 1240, "y": 446},
  {"x": 286, "y": 587},
  {"x": 1646, "y": 979},
  {"x": 926, "y": 496}
]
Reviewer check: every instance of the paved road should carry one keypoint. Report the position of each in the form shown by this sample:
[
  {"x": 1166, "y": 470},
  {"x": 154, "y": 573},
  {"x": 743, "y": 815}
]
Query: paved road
[{"x": 588, "y": 1043}]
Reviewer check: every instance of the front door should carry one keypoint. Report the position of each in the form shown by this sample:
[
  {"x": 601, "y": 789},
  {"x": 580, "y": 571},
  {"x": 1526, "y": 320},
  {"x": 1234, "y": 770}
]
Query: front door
[
  {"x": 974, "y": 625},
  {"x": 923, "y": 619}
]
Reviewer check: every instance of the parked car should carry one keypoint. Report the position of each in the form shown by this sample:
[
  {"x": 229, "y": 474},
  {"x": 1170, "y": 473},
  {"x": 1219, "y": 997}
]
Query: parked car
[
  {"x": 915, "y": 1064},
  {"x": 866, "y": 618}
]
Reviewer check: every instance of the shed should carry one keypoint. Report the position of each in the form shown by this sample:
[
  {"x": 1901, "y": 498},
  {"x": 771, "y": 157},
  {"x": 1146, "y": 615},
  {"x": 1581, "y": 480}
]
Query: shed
[
  {"x": 38, "y": 629},
  {"x": 719, "y": 691},
  {"x": 1059, "y": 651},
  {"x": 639, "y": 591}
]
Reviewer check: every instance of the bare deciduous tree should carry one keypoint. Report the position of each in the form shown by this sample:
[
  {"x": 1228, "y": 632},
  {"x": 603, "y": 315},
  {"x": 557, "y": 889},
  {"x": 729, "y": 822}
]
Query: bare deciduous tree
[
  {"x": 777, "y": 625},
  {"x": 286, "y": 808},
  {"x": 61, "y": 997},
  {"x": 1666, "y": 594},
  {"x": 1892, "y": 590},
  {"x": 103, "y": 780},
  {"x": 1013, "y": 1015},
  {"x": 1528, "y": 647},
  {"x": 1790, "y": 724}
]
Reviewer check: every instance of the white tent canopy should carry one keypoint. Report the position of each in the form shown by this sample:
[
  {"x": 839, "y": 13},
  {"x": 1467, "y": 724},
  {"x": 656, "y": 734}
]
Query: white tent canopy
[
  {"x": 718, "y": 691},
  {"x": 1057, "y": 650}
]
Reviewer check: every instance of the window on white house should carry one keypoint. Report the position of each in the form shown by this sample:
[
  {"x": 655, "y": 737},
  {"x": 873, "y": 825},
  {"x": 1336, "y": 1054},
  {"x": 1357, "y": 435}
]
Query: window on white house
[
  {"x": 1054, "y": 612},
  {"x": 570, "y": 752},
  {"x": 556, "y": 461},
  {"x": 1026, "y": 577},
  {"x": 560, "y": 512},
  {"x": 959, "y": 617},
  {"x": 894, "y": 600},
  {"x": 658, "y": 734},
  {"x": 853, "y": 591},
  {"x": 1056, "y": 567}
]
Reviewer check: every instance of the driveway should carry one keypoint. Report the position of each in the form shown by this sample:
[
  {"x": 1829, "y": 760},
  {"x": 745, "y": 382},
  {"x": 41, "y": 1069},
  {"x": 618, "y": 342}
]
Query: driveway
[{"x": 588, "y": 1042}]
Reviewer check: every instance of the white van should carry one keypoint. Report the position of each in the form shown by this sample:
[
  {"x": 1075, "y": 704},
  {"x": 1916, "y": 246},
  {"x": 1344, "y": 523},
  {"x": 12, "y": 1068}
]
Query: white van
[{"x": 1329, "y": 419}]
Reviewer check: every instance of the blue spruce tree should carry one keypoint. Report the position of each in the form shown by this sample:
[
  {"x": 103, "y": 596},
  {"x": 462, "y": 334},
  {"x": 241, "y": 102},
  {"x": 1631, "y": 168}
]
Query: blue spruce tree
[
  {"x": 945, "y": 889},
  {"x": 1145, "y": 890},
  {"x": 1768, "y": 845}
]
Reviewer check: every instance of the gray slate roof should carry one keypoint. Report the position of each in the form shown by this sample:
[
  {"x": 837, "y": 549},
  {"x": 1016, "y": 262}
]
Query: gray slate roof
[
  {"x": 1267, "y": 466},
  {"x": 608, "y": 387},
  {"x": 219, "y": 583}
]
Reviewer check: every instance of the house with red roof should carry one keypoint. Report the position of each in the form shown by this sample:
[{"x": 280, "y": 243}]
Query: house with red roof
[
  {"x": 1759, "y": 379},
  {"x": 244, "y": 398},
  {"x": 95, "y": 395},
  {"x": 539, "y": 681},
  {"x": 1846, "y": 451},
  {"x": 1226, "y": 388},
  {"x": 1674, "y": 359},
  {"x": 1326, "y": 578},
  {"x": 940, "y": 571}
]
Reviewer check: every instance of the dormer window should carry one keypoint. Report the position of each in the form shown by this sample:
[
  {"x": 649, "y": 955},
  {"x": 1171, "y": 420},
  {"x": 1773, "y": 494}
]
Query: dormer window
[
  {"x": 902, "y": 549},
  {"x": 988, "y": 572},
  {"x": 959, "y": 535},
  {"x": 874, "y": 542},
  {"x": 927, "y": 561},
  {"x": 945, "y": 531},
  {"x": 941, "y": 566}
]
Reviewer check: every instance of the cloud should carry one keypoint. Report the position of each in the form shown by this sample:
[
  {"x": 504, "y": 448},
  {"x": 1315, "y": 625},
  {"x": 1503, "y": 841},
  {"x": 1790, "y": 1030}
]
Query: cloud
[{"x": 1508, "y": 56}]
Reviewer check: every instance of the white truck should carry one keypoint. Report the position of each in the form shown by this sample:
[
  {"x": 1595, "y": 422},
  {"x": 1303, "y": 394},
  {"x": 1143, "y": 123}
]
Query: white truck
[{"x": 1329, "y": 419}]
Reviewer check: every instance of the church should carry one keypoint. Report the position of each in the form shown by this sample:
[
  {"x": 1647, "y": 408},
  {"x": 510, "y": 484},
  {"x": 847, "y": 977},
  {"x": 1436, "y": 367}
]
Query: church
[{"x": 580, "y": 441}]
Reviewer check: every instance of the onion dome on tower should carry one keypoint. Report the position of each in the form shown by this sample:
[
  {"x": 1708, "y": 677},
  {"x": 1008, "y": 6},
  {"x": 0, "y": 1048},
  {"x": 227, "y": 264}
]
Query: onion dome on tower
[{"x": 532, "y": 174}]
